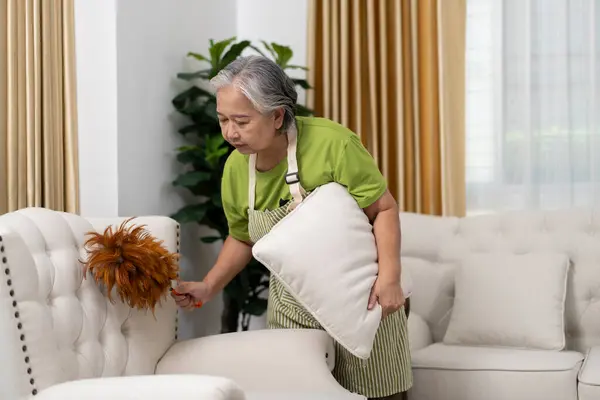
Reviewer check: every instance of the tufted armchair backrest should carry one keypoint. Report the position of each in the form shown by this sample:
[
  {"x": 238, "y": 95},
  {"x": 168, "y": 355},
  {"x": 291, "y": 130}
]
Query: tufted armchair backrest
[
  {"x": 432, "y": 248},
  {"x": 56, "y": 326}
]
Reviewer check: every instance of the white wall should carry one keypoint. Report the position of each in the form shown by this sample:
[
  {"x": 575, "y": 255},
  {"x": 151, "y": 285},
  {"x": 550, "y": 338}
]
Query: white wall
[
  {"x": 96, "y": 63},
  {"x": 282, "y": 22},
  {"x": 129, "y": 52}
]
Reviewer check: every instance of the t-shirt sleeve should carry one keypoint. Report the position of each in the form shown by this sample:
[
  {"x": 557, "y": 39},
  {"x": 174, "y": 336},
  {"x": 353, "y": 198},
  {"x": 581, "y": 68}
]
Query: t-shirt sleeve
[
  {"x": 235, "y": 211},
  {"x": 358, "y": 172}
]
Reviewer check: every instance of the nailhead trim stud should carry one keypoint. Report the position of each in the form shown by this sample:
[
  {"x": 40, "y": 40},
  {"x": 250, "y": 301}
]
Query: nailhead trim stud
[{"x": 9, "y": 282}]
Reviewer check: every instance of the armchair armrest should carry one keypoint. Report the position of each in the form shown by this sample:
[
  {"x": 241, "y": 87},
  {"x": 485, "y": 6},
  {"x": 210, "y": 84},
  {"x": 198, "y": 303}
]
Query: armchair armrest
[
  {"x": 263, "y": 360},
  {"x": 148, "y": 387},
  {"x": 419, "y": 334}
]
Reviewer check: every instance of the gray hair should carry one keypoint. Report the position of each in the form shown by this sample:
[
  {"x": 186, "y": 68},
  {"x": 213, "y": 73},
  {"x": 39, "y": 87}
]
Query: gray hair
[{"x": 264, "y": 83}]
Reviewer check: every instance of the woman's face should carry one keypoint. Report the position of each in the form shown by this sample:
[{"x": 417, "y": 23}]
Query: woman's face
[{"x": 242, "y": 125}]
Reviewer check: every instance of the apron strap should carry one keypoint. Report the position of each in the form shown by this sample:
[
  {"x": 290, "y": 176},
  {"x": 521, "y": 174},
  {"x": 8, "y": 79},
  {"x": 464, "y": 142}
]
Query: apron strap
[
  {"x": 292, "y": 178},
  {"x": 251, "y": 181}
]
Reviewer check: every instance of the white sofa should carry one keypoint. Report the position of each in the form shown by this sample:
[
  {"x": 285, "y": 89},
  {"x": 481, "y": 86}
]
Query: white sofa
[
  {"x": 61, "y": 339},
  {"x": 434, "y": 250}
]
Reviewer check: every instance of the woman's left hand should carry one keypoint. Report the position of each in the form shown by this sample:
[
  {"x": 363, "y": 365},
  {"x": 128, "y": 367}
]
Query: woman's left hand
[{"x": 389, "y": 294}]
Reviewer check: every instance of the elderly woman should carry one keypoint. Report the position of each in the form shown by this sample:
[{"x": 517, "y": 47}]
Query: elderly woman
[{"x": 255, "y": 105}]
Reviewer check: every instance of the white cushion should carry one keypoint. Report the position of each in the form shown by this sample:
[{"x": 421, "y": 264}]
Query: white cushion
[
  {"x": 324, "y": 253},
  {"x": 589, "y": 376},
  {"x": 474, "y": 373},
  {"x": 419, "y": 334},
  {"x": 510, "y": 301},
  {"x": 465, "y": 358},
  {"x": 149, "y": 387}
]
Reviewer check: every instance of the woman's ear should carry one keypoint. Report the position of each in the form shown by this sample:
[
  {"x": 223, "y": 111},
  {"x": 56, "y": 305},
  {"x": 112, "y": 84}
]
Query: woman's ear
[{"x": 278, "y": 118}]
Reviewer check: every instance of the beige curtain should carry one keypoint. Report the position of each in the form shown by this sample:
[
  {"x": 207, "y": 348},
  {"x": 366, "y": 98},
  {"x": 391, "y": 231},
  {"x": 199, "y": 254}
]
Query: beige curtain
[
  {"x": 393, "y": 72},
  {"x": 38, "y": 121}
]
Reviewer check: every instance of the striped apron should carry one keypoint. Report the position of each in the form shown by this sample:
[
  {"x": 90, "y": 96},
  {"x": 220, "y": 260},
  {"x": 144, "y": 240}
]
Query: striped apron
[{"x": 388, "y": 370}]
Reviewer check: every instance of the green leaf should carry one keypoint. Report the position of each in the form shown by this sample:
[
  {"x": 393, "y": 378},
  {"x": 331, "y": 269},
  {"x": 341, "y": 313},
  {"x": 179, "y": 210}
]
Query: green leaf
[
  {"x": 192, "y": 155},
  {"x": 269, "y": 49},
  {"x": 199, "y": 57},
  {"x": 233, "y": 53},
  {"x": 190, "y": 76},
  {"x": 303, "y": 83},
  {"x": 190, "y": 96},
  {"x": 259, "y": 51},
  {"x": 284, "y": 54},
  {"x": 191, "y": 179},
  {"x": 215, "y": 148},
  {"x": 190, "y": 213},
  {"x": 210, "y": 239},
  {"x": 296, "y": 67},
  {"x": 211, "y": 110},
  {"x": 216, "y": 199},
  {"x": 188, "y": 129},
  {"x": 216, "y": 51}
]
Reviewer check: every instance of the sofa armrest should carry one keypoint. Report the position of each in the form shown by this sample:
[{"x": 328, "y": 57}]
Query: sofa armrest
[
  {"x": 419, "y": 334},
  {"x": 269, "y": 359},
  {"x": 162, "y": 228},
  {"x": 148, "y": 387}
]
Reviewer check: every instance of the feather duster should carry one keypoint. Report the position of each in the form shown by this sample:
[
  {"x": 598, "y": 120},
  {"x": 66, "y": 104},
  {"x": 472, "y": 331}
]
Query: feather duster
[{"x": 131, "y": 261}]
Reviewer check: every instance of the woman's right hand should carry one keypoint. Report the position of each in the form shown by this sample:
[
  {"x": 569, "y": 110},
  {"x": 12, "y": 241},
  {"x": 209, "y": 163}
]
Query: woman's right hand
[{"x": 189, "y": 295}]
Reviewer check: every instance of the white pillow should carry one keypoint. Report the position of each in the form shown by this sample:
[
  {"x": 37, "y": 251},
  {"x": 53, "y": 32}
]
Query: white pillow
[
  {"x": 515, "y": 301},
  {"x": 324, "y": 253}
]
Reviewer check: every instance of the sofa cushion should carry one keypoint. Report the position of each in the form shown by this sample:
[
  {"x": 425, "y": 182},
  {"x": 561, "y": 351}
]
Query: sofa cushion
[
  {"x": 295, "y": 395},
  {"x": 510, "y": 300},
  {"x": 148, "y": 387},
  {"x": 457, "y": 373},
  {"x": 589, "y": 376},
  {"x": 442, "y": 356}
]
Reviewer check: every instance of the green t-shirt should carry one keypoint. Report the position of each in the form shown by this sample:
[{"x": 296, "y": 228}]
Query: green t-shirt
[{"x": 327, "y": 152}]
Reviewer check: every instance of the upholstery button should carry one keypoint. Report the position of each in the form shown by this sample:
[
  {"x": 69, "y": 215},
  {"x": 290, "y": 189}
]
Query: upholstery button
[
  {"x": 2, "y": 248},
  {"x": 7, "y": 271},
  {"x": 12, "y": 293},
  {"x": 4, "y": 260},
  {"x": 0, "y": 238},
  {"x": 24, "y": 348},
  {"x": 27, "y": 360},
  {"x": 32, "y": 381},
  {"x": 9, "y": 282},
  {"x": 19, "y": 325},
  {"x": 17, "y": 314},
  {"x": 14, "y": 303},
  {"x": 22, "y": 338},
  {"x": 34, "y": 392},
  {"x": 29, "y": 371}
]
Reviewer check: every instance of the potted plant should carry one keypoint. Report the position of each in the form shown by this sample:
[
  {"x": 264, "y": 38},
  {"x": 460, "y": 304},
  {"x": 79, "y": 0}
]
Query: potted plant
[{"x": 203, "y": 160}]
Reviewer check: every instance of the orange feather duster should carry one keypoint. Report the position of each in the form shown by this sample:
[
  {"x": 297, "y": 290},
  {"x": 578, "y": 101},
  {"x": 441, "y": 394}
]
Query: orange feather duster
[{"x": 133, "y": 262}]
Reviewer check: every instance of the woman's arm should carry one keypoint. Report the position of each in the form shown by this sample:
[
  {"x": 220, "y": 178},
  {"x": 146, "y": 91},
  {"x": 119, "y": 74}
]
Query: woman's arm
[
  {"x": 233, "y": 258},
  {"x": 384, "y": 215}
]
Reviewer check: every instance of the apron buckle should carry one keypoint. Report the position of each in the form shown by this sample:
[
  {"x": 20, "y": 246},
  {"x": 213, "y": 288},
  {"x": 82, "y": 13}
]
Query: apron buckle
[{"x": 292, "y": 177}]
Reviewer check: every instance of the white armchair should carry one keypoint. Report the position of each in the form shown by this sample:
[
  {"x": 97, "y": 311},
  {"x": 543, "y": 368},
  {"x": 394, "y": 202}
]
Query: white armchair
[{"x": 60, "y": 338}]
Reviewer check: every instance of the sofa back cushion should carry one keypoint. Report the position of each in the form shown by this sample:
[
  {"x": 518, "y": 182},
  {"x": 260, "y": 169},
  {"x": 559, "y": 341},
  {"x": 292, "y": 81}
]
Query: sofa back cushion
[
  {"x": 57, "y": 326},
  {"x": 508, "y": 300},
  {"x": 433, "y": 247}
]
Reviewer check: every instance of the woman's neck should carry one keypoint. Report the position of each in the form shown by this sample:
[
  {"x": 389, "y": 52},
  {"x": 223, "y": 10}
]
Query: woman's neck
[{"x": 270, "y": 157}]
